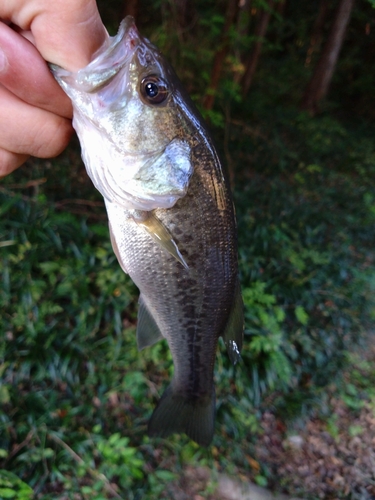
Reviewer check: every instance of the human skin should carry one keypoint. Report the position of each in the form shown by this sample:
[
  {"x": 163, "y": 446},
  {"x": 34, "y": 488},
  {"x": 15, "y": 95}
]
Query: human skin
[{"x": 35, "y": 114}]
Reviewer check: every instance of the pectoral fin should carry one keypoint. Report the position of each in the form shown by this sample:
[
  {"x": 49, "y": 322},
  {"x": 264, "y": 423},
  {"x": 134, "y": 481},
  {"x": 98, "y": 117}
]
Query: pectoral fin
[
  {"x": 233, "y": 334},
  {"x": 148, "y": 332},
  {"x": 161, "y": 235}
]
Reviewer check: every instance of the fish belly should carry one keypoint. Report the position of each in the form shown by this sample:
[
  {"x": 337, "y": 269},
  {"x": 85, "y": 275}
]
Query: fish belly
[{"x": 189, "y": 306}]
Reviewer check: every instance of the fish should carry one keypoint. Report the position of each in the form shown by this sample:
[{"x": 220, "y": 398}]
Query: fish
[{"x": 171, "y": 217}]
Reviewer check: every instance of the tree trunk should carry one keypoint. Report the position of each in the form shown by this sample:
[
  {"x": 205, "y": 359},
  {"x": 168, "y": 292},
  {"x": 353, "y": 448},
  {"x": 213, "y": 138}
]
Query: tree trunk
[
  {"x": 243, "y": 17},
  {"x": 220, "y": 55},
  {"x": 317, "y": 31},
  {"x": 318, "y": 86},
  {"x": 280, "y": 7},
  {"x": 185, "y": 13},
  {"x": 242, "y": 26},
  {"x": 131, "y": 8},
  {"x": 252, "y": 62}
]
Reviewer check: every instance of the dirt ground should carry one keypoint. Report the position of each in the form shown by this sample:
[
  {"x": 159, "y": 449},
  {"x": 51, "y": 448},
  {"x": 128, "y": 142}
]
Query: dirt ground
[
  {"x": 316, "y": 464},
  {"x": 333, "y": 456},
  {"x": 330, "y": 457}
]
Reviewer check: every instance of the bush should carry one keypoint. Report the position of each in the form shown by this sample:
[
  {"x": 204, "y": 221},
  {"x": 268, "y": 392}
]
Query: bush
[{"x": 306, "y": 232}]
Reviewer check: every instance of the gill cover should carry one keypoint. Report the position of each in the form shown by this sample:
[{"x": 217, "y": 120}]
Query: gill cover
[{"x": 120, "y": 101}]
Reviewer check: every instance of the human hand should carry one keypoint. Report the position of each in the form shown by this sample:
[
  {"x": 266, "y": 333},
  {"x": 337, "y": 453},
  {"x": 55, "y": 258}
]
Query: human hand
[{"x": 35, "y": 114}]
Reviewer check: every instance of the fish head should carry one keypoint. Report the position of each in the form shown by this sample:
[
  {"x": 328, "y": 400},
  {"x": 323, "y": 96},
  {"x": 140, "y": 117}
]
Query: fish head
[{"x": 133, "y": 132}]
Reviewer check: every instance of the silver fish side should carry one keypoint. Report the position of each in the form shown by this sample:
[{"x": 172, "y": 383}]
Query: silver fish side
[{"x": 175, "y": 233}]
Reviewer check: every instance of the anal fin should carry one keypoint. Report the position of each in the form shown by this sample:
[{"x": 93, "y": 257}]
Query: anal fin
[
  {"x": 148, "y": 332},
  {"x": 233, "y": 333}
]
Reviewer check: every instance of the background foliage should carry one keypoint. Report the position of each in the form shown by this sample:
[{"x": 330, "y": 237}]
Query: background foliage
[{"x": 75, "y": 394}]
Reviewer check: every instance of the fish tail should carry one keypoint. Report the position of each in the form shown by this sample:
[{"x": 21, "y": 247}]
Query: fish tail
[{"x": 178, "y": 413}]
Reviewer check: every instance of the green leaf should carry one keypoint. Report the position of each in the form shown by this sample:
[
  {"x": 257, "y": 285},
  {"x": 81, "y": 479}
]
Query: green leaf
[
  {"x": 301, "y": 315},
  {"x": 4, "y": 394},
  {"x": 7, "y": 493},
  {"x": 165, "y": 475},
  {"x": 261, "y": 480}
]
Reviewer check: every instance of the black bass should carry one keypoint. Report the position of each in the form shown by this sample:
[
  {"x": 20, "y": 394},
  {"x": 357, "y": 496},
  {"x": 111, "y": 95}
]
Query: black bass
[{"x": 170, "y": 214}]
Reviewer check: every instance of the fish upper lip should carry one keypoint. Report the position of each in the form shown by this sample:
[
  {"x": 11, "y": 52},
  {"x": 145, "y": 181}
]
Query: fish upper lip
[{"x": 127, "y": 33}]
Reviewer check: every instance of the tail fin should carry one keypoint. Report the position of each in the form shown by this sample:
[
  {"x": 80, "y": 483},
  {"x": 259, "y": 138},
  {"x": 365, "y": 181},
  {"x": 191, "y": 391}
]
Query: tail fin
[{"x": 177, "y": 413}]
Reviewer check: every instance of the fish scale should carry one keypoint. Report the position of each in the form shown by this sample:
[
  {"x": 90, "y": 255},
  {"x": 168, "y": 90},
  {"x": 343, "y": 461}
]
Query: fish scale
[{"x": 171, "y": 217}]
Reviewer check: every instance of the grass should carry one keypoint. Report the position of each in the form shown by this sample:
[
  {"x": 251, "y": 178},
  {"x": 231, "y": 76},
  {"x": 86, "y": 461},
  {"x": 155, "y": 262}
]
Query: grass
[{"x": 75, "y": 394}]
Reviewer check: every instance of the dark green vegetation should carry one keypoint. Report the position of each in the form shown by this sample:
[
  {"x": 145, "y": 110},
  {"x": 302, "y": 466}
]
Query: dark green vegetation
[{"x": 75, "y": 394}]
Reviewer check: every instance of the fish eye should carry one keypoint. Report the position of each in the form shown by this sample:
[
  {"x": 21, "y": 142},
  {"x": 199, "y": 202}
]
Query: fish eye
[{"x": 154, "y": 89}]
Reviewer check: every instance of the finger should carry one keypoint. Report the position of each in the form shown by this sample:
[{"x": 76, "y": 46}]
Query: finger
[
  {"x": 10, "y": 161},
  {"x": 26, "y": 74},
  {"x": 66, "y": 32},
  {"x": 27, "y": 130}
]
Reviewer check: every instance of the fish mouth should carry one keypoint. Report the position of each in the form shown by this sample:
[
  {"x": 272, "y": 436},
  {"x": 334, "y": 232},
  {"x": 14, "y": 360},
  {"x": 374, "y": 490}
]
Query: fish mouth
[{"x": 108, "y": 61}]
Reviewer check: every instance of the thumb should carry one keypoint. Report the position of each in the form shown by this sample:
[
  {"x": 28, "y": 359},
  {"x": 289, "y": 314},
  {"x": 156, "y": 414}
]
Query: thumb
[{"x": 65, "y": 32}]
